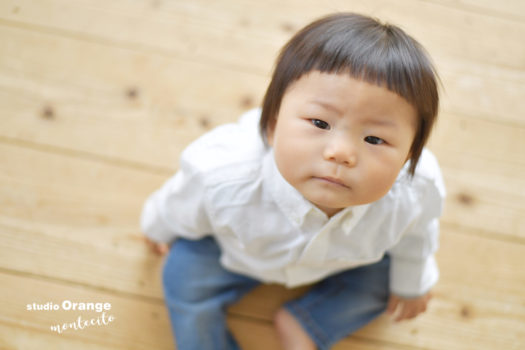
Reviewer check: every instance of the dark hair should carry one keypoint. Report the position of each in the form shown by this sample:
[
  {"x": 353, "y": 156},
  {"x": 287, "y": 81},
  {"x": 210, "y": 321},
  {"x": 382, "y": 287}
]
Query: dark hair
[{"x": 361, "y": 46}]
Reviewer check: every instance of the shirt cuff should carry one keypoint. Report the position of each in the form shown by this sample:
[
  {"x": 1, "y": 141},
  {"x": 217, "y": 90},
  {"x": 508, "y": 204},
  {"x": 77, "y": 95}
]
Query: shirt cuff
[
  {"x": 152, "y": 224},
  {"x": 412, "y": 278}
]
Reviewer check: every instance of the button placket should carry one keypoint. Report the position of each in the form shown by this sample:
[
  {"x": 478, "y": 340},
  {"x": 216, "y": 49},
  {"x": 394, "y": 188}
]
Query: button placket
[{"x": 315, "y": 250}]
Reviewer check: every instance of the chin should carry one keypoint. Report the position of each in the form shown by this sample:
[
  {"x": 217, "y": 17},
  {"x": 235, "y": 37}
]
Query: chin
[{"x": 330, "y": 206}]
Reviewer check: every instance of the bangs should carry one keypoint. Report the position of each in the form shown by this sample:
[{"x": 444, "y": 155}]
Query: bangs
[{"x": 379, "y": 54}]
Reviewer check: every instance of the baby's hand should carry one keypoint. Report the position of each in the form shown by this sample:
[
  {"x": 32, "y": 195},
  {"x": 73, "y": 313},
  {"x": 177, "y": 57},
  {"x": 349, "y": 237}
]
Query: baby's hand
[
  {"x": 405, "y": 309},
  {"x": 157, "y": 248}
]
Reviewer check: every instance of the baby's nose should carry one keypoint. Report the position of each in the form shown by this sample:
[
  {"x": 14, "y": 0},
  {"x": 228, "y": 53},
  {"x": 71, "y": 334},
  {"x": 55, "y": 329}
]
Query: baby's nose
[{"x": 341, "y": 151}]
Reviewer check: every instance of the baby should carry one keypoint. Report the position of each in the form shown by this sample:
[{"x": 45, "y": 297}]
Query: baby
[{"x": 328, "y": 184}]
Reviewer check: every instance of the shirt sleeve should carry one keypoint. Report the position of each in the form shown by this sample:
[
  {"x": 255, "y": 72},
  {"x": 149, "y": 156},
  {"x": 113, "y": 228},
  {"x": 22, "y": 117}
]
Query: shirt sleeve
[
  {"x": 177, "y": 209},
  {"x": 413, "y": 268}
]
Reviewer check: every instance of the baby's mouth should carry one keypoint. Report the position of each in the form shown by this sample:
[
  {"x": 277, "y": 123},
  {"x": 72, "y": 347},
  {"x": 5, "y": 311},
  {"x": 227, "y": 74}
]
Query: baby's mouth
[{"x": 333, "y": 180}]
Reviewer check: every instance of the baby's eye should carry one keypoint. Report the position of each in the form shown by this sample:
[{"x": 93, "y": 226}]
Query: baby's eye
[
  {"x": 374, "y": 140},
  {"x": 320, "y": 124}
]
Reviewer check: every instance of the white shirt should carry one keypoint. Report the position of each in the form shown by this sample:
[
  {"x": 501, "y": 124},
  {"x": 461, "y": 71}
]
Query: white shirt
[{"x": 228, "y": 186}]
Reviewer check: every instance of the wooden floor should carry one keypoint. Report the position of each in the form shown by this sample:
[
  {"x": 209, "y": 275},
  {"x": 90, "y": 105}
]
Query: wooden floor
[{"x": 98, "y": 98}]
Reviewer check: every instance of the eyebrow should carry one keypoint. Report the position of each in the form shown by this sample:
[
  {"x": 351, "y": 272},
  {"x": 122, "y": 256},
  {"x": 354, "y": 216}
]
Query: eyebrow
[
  {"x": 327, "y": 105},
  {"x": 373, "y": 121},
  {"x": 382, "y": 122}
]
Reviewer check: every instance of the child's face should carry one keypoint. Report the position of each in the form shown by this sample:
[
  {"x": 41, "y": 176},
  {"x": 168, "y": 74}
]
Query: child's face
[{"x": 340, "y": 141}]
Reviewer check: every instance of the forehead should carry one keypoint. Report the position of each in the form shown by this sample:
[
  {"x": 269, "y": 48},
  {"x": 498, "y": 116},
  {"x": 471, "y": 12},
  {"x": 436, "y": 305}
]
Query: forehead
[{"x": 340, "y": 94}]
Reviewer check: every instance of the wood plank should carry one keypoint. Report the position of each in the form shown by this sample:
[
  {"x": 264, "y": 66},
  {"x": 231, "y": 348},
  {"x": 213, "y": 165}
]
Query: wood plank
[
  {"x": 65, "y": 231},
  {"x": 512, "y": 10},
  {"x": 61, "y": 195},
  {"x": 479, "y": 138},
  {"x": 99, "y": 98},
  {"x": 134, "y": 132},
  {"x": 250, "y": 335},
  {"x": 459, "y": 34},
  {"x": 481, "y": 91},
  {"x": 483, "y": 170},
  {"x": 466, "y": 304},
  {"x": 475, "y": 295},
  {"x": 173, "y": 26},
  {"x": 486, "y": 189},
  {"x": 138, "y": 323},
  {"x": 65, "y": 212},
  {"x": 139, "y": 109},
  {"x": 60, "y": 192},
  {"x": 469, "y": 204},
  {"x": 471, "y": 86},
  {"x": 100, "y": 258},
  {"x": 17, "y": 337},
  {"x": 42, "y": 104},
  {"x": 478, "y": 303}
]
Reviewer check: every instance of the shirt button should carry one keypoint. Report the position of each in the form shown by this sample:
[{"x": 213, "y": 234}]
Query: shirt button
[{"x": 296, "y": 219}]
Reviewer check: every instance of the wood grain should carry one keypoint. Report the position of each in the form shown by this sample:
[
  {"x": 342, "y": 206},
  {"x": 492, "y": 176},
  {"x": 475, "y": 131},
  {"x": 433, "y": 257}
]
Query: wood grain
[{"x": 98, "y": 98}]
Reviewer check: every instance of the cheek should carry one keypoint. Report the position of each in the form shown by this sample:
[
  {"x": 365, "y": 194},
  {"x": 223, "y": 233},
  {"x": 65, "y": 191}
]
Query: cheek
[
  {"x": 290, "y": 158},
  {"x": 287, "y": 165},
  {"x": 382, "y": 176},
  {"x": 284, "y": 152},
  {"x": 282, "y": 138}
]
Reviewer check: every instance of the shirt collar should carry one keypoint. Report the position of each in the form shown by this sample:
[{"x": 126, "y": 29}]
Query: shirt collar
[{"x": 351, "y": 216}]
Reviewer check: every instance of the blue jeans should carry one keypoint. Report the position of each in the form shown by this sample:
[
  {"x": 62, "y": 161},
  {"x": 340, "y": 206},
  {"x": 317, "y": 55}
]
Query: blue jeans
[{"x": 198, "y": 290}]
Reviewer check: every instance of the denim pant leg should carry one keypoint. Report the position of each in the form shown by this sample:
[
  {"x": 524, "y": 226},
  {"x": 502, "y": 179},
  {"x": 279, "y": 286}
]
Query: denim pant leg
[
  {"x": 197, "y": 290},
  {"x": 343, "y": 303}
]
